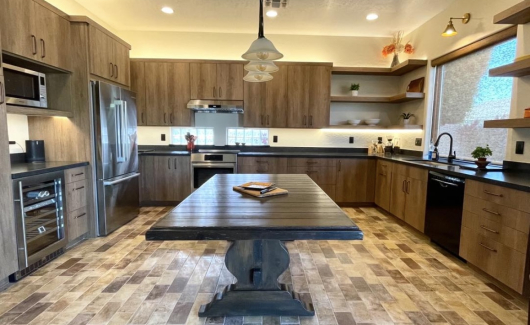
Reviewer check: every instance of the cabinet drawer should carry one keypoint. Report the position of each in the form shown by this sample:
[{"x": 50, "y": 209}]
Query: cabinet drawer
[
  {"x": 501, "y": 195},
  {"x": 409, "y": 171},
  {"x": 75, "y": 174},
  {"x": 76, "y": 195},
  {"x": 495, "y": 230},
  {"x": 384, "y": 167},
  {"x": 311, "y": 162},
  {"x": 321, "y": 176},
  {"x": 77, "y": 223},
  {"x": 501, "y": 262},
  {"x": 506, "y": 216},
  {"x": 270, "y": 165}
]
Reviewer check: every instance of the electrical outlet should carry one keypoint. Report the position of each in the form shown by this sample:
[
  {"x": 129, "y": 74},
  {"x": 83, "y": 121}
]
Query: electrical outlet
[
  {"x": 417, "y": 143},
  {"x": 519, "y": 147},
  {"x": 351, "y": 140},
  {"x": 275, "y": 139},
  {"x": 162, "y": 137}
]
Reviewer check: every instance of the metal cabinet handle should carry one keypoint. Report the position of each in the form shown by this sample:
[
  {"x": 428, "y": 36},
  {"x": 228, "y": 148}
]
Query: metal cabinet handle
[
  {"x": 403, "y": 187},
  {"x": 111, "y": 70},
  {"x": 220, "y": 92},
  {"x": 78, "y": 174},
  {"x": 310, "y": 120},
  {"x": 488, "y": 248},
  {"x": 261, "y": 119},
  {"x": 213, "y": 92},
  {"x": 34, "y": 44},
  {"x": 340, "y": 166},
  {"x": 142, "y": 117},
  {"x": 43, "y": 46},
  {"x": 490, "y": 193},
  {"x": 171, "y": 118},
  {"x": 2, "y": 95},
  {"x": 81, "y": 215},
  {"x": 175, "y": 163},
  {"x": 492, "y": 212},
  {"x": 79, "y": 188},
  {"x": 311, "y": 162},
  {"x": 268, "y": 120},
  {"x": 408, "y": 187},
  {"x": 165, "y": 117},
  {"x": 169, "y": 163},
  {"x": 116, "y": 71},
  {"x": 490, "y": 230},
  {"x": 305, "y": 120}
]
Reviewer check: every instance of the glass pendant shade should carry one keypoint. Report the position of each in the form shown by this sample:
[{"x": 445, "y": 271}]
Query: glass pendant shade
[
  {"x": 449, "y": 30},
  {"x": 262, "y": 49},
  {"x": 253, "y": 76},
  {"x": 262, "y": 66}
]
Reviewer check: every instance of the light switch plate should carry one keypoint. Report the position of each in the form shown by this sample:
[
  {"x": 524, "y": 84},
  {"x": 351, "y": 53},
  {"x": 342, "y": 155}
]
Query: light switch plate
[
  {"x": 275, "y": 139},
  {"x": 417, "y": 143},
  {"x": 519, "y": 147},
  {"x": 352, "y": 140},
  {"x": 162, "y": 137}
]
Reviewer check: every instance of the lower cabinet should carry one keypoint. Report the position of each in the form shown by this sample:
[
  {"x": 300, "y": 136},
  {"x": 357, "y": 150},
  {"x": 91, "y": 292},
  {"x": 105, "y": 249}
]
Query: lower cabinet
[
  {"x": 76, "y": 202},
  {"x": 164, "y": 179},
  {"x": 383, "y": 184},
  {"x": 322, "y": 171},
  {"x": 262, "y": 165},
  {"x": 355, "y": 181}
]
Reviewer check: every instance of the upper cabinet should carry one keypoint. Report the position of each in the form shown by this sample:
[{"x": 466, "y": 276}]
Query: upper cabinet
[
  {"x": 109, "y": 58},
  {"x": 221, "y": 81},
  {"x": 35, "y": 30}
]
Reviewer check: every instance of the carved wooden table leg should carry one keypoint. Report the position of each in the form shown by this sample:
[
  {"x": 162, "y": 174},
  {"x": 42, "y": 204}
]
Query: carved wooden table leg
[{"x": 257, "y": 265}]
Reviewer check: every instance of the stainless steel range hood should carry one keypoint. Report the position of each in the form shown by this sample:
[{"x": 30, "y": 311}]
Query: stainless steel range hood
[{"x": 216, "y": 106}]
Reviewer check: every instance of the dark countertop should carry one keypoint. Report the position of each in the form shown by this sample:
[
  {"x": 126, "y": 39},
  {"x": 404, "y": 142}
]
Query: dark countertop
[
  {"x": 162, "y": 153},
  {"x": 19, "y": 170},
  {"x": 305, "y": 154}
]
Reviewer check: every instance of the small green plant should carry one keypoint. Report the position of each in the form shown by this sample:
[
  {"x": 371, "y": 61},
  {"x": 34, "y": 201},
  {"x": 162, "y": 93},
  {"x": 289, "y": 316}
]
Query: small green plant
[
  {"x": 482, "y": 152},
  {"x": 406, "y": 116},
  {"x": 355, "y": 87}
]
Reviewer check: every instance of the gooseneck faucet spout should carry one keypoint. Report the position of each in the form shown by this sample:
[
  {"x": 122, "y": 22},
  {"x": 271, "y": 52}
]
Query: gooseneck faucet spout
[{"x": 452, "y": 154}]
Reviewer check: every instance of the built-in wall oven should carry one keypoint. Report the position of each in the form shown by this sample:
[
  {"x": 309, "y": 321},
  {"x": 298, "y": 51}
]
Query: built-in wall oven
[
  {"x": 40, "y": 221},
  {"x": 207, "y": 163},
  {"x": 25, "y": 87}
]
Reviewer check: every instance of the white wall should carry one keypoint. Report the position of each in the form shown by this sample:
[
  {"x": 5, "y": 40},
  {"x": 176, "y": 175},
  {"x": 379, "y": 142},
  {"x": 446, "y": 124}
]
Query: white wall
[{"x": 17, "y": 130}]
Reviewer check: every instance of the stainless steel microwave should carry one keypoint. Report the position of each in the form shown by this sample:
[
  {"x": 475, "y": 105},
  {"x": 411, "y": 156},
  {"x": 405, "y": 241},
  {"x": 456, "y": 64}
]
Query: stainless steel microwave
[{"x": 25, "y": 87}]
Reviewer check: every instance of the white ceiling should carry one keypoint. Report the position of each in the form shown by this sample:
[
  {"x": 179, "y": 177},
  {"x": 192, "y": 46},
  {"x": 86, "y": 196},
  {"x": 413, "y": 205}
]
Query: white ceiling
[{"x": 301, "y": 17}]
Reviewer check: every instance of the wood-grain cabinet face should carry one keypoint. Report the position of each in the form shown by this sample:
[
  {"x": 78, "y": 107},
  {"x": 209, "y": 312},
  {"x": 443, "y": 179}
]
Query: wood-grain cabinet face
[
  {"x": 165, "y": 87},
  {"x": 383, "y": 184},
  {"x": 355, "y": 180},
  {"x": 109, "y": 59},
  {"x": 33, "y": 31},
  {"x": 164, "y": 178},
  {"x": 221, "y": 81},
  {"x": 77, "y": 190}
]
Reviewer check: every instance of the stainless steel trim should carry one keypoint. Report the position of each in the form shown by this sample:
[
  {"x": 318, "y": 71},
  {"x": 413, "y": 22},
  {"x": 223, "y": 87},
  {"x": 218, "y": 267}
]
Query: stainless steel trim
[
  {"x": 443, "y": 182},
  {"x": 123, "y": 179},
  {"x": 489, "y": 229},
  {"x": 125, "y": 126},
  {"x": 42, "y": 102},
  {"x": 213, "y": 165},
  {"x": 216, "y": 106},
  {"x": 23, "y": 224}
]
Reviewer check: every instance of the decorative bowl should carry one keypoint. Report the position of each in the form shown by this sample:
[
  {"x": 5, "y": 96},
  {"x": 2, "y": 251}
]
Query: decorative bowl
[
  {"x": 354, "y": 122},
  {"x": 372, "y": 121}
]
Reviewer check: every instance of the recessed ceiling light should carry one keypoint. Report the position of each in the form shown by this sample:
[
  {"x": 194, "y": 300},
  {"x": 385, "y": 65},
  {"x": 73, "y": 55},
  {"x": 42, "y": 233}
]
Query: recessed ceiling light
[
  {"x": 272, "y": 13},
  {"x": 167, "y": 10},
  {"x": 372, "y": 17}
]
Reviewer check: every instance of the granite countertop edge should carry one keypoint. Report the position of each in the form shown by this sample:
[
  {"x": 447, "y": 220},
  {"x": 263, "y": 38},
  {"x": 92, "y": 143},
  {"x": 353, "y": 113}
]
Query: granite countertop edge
[{"x": 21, "y": 170}]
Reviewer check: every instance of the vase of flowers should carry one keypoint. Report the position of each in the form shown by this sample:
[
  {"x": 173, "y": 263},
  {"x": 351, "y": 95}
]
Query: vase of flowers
[
  {"x": 397, "y": 47},
  {"x": 191, "y": 141},
  {"x": 355, "y": 89}
]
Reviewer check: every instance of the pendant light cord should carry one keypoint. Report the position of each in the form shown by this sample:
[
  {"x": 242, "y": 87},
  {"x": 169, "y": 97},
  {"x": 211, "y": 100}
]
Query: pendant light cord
[{"x": 260, "y": 30}]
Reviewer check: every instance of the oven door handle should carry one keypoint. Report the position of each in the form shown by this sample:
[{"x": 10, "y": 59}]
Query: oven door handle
[{"x": 214, "y": 165}]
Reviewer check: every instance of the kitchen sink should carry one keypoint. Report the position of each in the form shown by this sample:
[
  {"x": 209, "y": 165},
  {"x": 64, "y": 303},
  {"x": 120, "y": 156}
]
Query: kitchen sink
[
  {"x": 430, "y": 162},
  {"x": 455, "y": 165}
]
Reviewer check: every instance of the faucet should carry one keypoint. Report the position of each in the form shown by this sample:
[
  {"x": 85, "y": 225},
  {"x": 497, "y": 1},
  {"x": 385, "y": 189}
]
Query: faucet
[{"x": 452, "y": 155}]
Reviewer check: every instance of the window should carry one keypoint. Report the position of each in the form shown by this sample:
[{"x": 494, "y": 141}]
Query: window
[
  {"x": 466, "y": 96},
  {"x": 204, "y": 135},
  {"x": 250, "y": 137}
]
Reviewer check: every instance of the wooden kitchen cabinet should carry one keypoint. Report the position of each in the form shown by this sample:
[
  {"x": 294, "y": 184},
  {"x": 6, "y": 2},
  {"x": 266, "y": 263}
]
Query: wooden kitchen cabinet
[
  {"x": 121, "y": 63},
  {"x": 76, "y": 202},
  {"x": 383, "y": 184},
  {"x": 319, "y": 96},
  {"x": 156, "y": 93},
  {"x": 221, "y": 81},
  {"x": 298, "y": 99},
  {"x": 262, "y": 165},
  {"x": 37, "y": 31},
  {"x": 148, "y": 181},
  {"x": 138, "y": 86},
  {"x": 355, "y": 180},
  {"x": 109, "y": 59},
  {"x": 164, "y": 179},
  {"x": 178, "y": 95}
]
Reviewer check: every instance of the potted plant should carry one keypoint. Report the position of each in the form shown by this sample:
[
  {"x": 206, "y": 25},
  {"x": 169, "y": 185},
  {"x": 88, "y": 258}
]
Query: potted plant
[
  {"x": 355, "y": 89},
  {"x": 406, "y": 118},
  {"x": 481, "y": 154}
]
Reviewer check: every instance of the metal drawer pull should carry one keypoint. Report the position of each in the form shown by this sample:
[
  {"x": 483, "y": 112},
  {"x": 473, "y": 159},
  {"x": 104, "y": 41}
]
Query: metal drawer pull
[
  {"x": 261, "y": 162},
  {"x": 34, "y": 44},
  {"x": 488, "y": 248},
  {"x": 79, "y": 188},
  {"x": 382, "y": 174},
  {"x": 489, "y": 193},
  {"x": 492, "y": 212},
  {"x": 78, "y": 174},
  {"x": 111, "y": 70},
  {"x": 490, "y": 230},
  {"x": 81, "y": 215}
]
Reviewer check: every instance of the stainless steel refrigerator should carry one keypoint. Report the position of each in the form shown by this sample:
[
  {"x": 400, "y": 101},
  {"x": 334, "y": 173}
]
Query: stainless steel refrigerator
[{"x": 116, "y": 165}]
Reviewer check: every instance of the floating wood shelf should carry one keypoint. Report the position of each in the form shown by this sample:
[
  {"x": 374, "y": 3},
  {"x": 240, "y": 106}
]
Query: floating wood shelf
[
  {"x": 399, "y": 70},
  {"x": 37, "y": 111},
  {"x": 401, "y": 98},
  {"x": 508, "y": 123},
  {"x": 516, "y": 15},
  {"x": 376, "y": 127},
  {"x": 519, "y": 68}
]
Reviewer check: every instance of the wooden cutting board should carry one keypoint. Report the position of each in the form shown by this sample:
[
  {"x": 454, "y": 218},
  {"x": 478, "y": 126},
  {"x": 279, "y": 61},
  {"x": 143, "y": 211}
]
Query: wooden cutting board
[{"x": 255, "y": 193}]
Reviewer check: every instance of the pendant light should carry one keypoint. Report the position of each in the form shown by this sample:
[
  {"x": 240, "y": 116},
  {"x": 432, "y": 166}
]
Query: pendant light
[{"x": 261, "y": 54}]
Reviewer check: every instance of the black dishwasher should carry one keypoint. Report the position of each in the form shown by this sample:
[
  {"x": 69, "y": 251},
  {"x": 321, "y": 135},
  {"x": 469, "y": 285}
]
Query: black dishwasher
[{"x": 445, "y": 202}]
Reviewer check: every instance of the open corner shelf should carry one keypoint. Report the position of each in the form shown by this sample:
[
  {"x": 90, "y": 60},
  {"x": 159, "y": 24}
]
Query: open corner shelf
[
  {"x": 515, "y": 15},
  {"x": 376, "y": 127},
  {"x": 37, "y": 111},
  {"x": 401, "y": 98},
  {"x": 399, "y": 70},
  {"x": 519, "y": 68},
  {"x": 515, "y": 123}
]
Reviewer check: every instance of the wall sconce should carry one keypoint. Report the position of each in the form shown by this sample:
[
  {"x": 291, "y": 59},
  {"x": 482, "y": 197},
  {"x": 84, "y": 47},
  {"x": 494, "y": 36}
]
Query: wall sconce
[{"x": 450, "y": 29}]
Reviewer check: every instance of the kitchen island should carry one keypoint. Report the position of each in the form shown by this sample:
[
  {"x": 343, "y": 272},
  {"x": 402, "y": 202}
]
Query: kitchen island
[{"x": 257, "y": 256}]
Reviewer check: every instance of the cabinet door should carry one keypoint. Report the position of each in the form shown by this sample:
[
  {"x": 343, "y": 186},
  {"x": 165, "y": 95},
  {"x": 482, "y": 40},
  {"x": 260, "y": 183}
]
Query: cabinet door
[
  {"x": 230, "y": 82},
  {"x": 53, "y": 33},
  {"x": 298, "y": 98},
  {"x": 203, "y": 80},
  {"x": 121, "y": 63},
  {"x": 166, "y": 189},
  {"x": 156, "y": 93},
  {"x": 255, "y": 102},
  {"x": 383, "y": 184},
  {"x": 355, "y": 180},
  {"x": 319, "y": 96},
  {"x": 148, "y": 180},
  {"x": 178, "y": 94},
  {"x": 17, "y": 27},
  {"x": 101, "y": 52},
  {"x": 181, "y": 179},
  {"x": 398, "y": 195},
  {"x": 416, "y": 203},
  {"x": 138, "y": 86},
  {"x": 276, "y": 105}
]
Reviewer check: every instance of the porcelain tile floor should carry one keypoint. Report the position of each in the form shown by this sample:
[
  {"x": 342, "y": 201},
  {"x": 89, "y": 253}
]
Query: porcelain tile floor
[{"x": 394, "y": 276}]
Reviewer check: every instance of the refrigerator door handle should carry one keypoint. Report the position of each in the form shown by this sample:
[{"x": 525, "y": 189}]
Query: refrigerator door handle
[
  {"x": 119, "y": 132},
  {"x": 123, "y": 179},
  {"x": 125, "y": 126}
]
